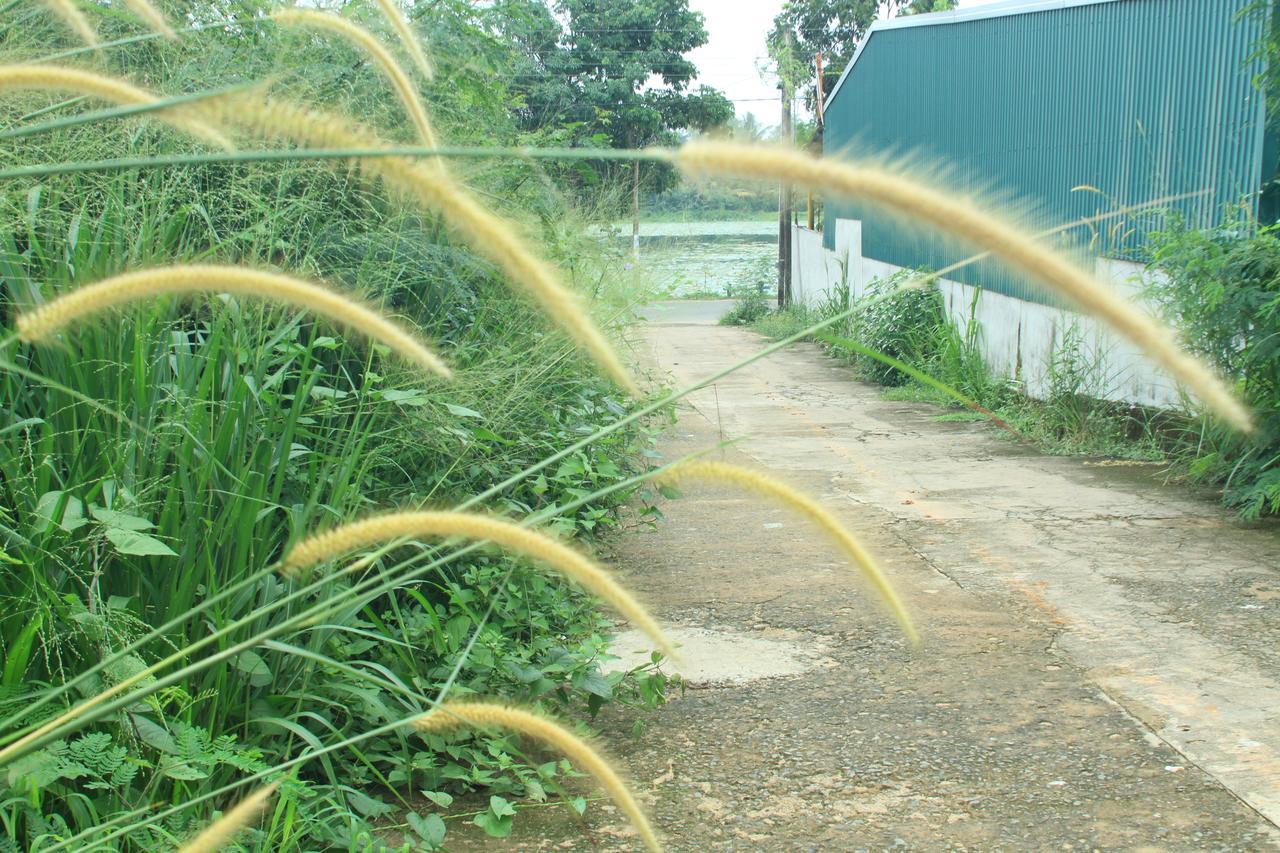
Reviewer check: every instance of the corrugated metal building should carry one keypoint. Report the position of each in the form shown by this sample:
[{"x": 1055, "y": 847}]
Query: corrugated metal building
[{"x": 1035, "y": 99}]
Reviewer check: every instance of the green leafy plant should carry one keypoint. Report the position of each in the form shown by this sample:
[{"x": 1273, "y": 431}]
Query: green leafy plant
[
  {"x": 1222, "y": 289},
  {"x": 749, "y": 309}
]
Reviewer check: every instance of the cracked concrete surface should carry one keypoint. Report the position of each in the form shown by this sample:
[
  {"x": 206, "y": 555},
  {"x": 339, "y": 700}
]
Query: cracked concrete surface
[{"x": 1098, "y": 667}]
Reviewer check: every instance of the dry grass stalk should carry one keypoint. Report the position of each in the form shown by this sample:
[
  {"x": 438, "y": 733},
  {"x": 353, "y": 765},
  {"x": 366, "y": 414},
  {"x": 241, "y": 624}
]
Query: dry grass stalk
[
  {"x": 524, "y": 541},
  {"x": 63, "y": 79},
  {"x": 753, "y": 481},
  {"x": 967, "y": 221},
  {"x": 222, "y": 831},
  {"x": 487, "y": 715},
  {"x": 40, "y": 323},
  {"x": 407, "y": 37},
  {"x": 66, "y": 11},
  {"x": 154, "y": 19},
  {"x": 365, "y": 40},
  {"x": 489, "y": 235}
]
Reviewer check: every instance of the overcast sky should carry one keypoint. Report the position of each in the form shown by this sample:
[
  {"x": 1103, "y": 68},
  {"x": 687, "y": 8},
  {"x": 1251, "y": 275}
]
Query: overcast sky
[{"x": 729, "y": 60}]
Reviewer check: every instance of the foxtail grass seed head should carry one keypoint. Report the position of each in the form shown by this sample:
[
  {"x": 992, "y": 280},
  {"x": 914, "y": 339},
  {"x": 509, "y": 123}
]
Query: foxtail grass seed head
[
  {"x": 965, "y": 220},
  {"x": 469, "y": 714},
  {"x": 153, "y": 18},
  {"x": 223, "y": 831},
  {"x": 63, "y": 79},
  {"x": 43, "y": 322},
  {"x": 488, "y": 235},
  {"x": 407, "y": 37},
  {"x": 67, "y": 12},
  {"x": 525, "y": 541},
  {"x": 754, "y": 481},
  {"x": 365, "y": 40}
]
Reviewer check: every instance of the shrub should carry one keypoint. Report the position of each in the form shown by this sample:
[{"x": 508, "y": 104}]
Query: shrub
[
  {"x": 749, "y": 309},
  {"x": 903, "y": 324},
  {"x": 1222, "y": 289}
]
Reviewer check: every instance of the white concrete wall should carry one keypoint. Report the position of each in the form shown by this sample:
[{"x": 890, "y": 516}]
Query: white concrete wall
[{"x": 1018, "y": 339}]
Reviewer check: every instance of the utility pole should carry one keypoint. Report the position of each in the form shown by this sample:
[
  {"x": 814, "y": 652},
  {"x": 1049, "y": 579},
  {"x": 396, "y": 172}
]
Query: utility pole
[
  {"x": 635, "y": 210},
  {"x": 817, "y": 136},
  {"x": 635, "y": 204},
  {"x": 784, "y": 191}
]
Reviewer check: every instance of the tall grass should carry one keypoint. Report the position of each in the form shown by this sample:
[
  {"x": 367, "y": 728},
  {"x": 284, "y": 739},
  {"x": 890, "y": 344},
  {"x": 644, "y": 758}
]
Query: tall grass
[{"x": 230, "y": 429}]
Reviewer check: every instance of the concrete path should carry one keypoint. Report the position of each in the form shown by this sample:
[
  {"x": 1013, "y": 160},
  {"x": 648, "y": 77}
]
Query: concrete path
[{"x": 1099, "y": 663}]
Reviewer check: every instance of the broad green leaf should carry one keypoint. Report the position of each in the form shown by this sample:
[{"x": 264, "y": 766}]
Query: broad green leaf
[
  {"x": 594, "y": 682},
  {"x": 440, "y": 798},
  {"x": 366, "y": 805},
  {"x": 138, "y": 544},
  {"x": 321, "y": 392},
  {"x": 35, "y": 771},
  {"x": 407, "y": 397},
  {"x": 463, "y": 411},
  {"x": 498, "y": 827},
  {"x": 252, "y": 664},
  {"x": 500, "y": 806},
  {"x": 22, "y": 424},
  {"x": 153, "y": 734},
  {"x": 72, "y": 517},
  {"x": 119, "y": 520},
  {"x": 430, "y": 828},
  {"x": 489, "y": 435}
]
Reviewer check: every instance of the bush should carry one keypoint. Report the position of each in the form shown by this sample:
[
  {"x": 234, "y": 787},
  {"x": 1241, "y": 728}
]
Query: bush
[
  {"x": 749, "y": 309},
  {"x": 1222, "y": 289},
  {"x": 904, "y": 324}
]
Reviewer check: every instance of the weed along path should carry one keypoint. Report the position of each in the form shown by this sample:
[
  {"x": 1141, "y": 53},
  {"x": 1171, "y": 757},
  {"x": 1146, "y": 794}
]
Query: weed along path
[{"x": 1098, "y": 663}]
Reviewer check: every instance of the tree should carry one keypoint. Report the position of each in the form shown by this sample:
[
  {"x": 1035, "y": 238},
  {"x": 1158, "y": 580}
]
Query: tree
[
  {"x": 613, "y": 73},
  {"x": 832, "y": 28},
  {"x": 749, "y": 129}
]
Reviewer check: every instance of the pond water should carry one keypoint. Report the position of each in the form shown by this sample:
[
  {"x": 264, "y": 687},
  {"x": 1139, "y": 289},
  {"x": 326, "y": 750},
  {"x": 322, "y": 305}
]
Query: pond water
[{"x": 706, "y": 259}]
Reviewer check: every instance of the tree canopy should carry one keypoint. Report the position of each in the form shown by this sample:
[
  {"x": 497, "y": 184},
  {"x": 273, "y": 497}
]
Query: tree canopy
[
  {"x": 610, "y": 73},
  {"x": 832, "y": 28}
]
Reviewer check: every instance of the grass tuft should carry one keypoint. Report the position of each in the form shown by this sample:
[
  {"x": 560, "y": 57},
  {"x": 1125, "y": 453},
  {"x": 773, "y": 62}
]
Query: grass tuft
[
  {"x": 965, "y": 220},
  {"x": 520, "y": 540},
  {"x": 41, "y": 323},
  {"x": 754, "y": 481},
  {"x": 472, "y": 714}
]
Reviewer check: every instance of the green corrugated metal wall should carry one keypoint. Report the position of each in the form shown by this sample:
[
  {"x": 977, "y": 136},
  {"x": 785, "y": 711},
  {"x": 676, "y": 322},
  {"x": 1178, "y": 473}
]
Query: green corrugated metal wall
[{"x": 1139, "y": 98}]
